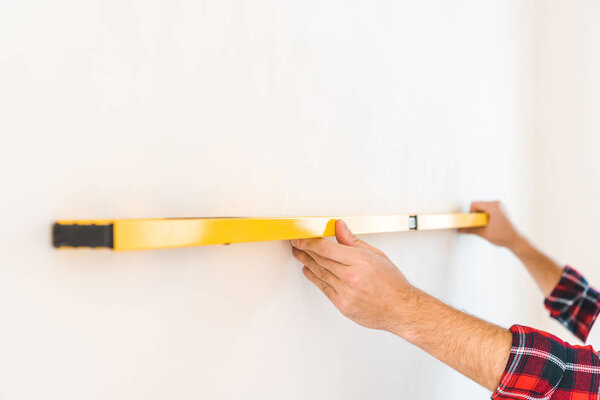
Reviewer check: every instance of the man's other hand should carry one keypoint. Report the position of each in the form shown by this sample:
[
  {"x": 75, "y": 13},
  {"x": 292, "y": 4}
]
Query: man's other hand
[{"x": 499, "y": 231}]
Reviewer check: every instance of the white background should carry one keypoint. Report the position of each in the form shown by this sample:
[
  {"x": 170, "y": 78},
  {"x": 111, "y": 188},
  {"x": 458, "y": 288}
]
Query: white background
[
  {"x": 114, "y": 109},
  {"x": 567, "y": 113}
]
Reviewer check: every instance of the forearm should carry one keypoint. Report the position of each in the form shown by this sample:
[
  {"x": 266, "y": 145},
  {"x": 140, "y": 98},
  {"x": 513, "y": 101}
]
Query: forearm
[
  {"x": 473, "y": 347},
  {"x": 369, "y": 289},
  {"x": 544, "y": 270},
  {"x": 501, "y": 232}
]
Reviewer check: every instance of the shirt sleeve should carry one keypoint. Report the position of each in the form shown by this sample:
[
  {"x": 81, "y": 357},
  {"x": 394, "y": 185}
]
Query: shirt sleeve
[
  {"x": 541, "y": 366},
  {"x": 574, "y": 303}
]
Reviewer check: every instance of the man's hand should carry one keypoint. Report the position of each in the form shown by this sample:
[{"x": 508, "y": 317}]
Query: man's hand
[
  {"x": 361, "y": 282},
  {"x": 499, "y": 231},
  {"x": 368, "y": 288}
]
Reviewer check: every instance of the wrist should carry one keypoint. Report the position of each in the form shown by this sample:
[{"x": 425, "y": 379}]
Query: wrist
[
  {"x": 519, "y": 246},
  {"x": 405, "y": 323}
]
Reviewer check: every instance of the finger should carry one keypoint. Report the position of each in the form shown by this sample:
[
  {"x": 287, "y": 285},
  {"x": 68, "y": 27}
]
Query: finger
[
  {"x": 325, "y": 288},
  {"x": 477, "y": 207},
  {"x": 328, "y": 249},
  {"x": 475, "y": 231},
  {"x": 322, "y": 273},
  {"x": 335, "y": 267},
  {"x": 345, "y": 236},
  {"x": 483, "y": 206}
]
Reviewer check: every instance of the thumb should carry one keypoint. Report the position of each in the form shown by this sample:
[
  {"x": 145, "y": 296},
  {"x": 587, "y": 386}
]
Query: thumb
[
  {"x": 344, "y": 235},
  {"x": 476, "y": 231}
]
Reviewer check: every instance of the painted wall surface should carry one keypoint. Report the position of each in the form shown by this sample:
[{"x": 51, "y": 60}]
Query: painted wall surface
[
  {"x": 205, "y": 108},
  {"x": 567, "y": 92}
]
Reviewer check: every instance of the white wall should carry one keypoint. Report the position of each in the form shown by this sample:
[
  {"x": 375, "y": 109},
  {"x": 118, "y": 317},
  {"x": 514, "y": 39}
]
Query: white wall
[
  {"x": 263, "y": 108},
  {"x": 567, "y": 92}
]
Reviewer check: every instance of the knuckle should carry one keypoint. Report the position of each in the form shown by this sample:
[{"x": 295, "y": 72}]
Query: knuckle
[
  {"x": 329, "y": 292},
  {"x": 301, "y": 256},
  {"x": 343, "y": 305},
  {"x": 325, "y": 248},
  {"x": 319, "y": 271},
  {"x": 306, "y": 259},
  {"x": 309, "y": 274},
  {"x": 311, "y": 267},
  {"x": 363, "y": 264},
  {"x": 353, "y": 280},
  {"x": 364, "y": 260},
  {"x": 316, "y": 257}
]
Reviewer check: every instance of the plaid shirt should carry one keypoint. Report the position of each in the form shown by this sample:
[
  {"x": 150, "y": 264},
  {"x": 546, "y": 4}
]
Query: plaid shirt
[{"x": 540, "y": 365}]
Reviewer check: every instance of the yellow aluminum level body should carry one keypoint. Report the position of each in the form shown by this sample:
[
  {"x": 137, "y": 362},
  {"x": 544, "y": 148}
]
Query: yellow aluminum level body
[{"x": 144, "y": 234}]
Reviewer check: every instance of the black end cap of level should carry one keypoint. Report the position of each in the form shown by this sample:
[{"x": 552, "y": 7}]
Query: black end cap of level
[{"x": 82, "y": 235}]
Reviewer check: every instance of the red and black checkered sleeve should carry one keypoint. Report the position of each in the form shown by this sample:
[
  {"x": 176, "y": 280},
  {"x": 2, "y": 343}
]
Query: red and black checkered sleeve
[
  {"x": 574, "y": 303},
  {"x": 541, "y": 366}
]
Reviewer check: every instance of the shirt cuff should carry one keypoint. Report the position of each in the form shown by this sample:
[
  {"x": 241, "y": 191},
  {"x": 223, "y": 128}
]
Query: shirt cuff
[
  {"x": 574, "y": 303},
  {"x": 531, "y": 371}
]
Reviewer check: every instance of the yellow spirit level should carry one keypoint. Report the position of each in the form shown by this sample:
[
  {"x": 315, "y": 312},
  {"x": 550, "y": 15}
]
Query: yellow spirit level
[{"x": 161, "y": 233}]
